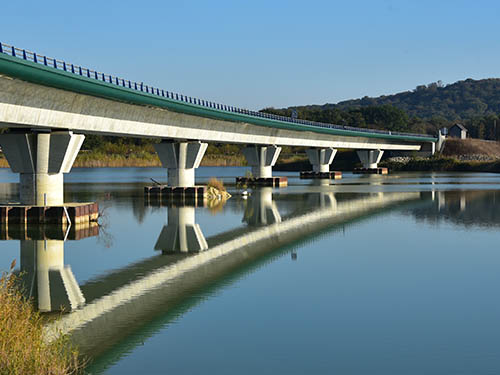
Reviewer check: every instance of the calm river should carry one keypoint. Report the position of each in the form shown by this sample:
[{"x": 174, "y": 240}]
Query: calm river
[{"x": 395, "y": 274}]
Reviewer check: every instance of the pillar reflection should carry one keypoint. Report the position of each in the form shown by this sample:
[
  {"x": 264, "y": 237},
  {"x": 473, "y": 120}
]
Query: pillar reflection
[
  {"x": 181, "y": 234},
  {"x": 49, "y": 281},
  {"x": 261, "y": 209}
]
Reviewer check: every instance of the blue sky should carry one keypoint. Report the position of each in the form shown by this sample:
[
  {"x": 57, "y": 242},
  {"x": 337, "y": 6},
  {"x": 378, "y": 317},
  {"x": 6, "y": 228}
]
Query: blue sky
[{"x": 257, "y": 53}]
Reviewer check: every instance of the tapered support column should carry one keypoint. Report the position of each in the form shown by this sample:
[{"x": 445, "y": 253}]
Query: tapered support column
[
  {"x": 48, "y": 279},
  {"x": 262, "y": 159},
  {"x": 370, "y": 158},
  {"x": 181, "y": 234},
  {"x": 181, "y": 159},
  {"x": 321, "y": 158},
  {"x": 41, "y": 159},
  {"x": 261, "y": 209}
]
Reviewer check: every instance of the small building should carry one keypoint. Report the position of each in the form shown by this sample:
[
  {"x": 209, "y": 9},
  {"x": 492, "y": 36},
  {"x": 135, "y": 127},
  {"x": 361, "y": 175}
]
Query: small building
[{"x": 458, "y": 131}]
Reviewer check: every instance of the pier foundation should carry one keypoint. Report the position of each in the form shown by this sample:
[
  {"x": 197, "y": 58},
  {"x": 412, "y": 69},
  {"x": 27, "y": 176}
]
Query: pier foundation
[{"x": 320, "y": 159}]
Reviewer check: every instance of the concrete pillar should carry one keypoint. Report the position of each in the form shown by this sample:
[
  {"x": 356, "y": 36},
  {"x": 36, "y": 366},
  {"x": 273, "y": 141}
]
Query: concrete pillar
[
  {"x": 370, "y": 158},
  {"x": 440, "y": 143},
  {"x": 181, "y": 234},
  {"x": 261, "y": 209},
  {"x": 41, "y": 159},
  {"x": 181, "y": 159},
  {"x": 49, "y": 281},
  {"x": 262, "y": 159},
  {"x": 321, "y": 158}
]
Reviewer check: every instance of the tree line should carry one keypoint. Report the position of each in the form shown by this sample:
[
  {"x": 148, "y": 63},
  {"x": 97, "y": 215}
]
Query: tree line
[{"x": 388, "y": 117}]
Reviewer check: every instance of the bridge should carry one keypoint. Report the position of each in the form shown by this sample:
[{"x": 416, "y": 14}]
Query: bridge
[{"x": 49, "y": 105}]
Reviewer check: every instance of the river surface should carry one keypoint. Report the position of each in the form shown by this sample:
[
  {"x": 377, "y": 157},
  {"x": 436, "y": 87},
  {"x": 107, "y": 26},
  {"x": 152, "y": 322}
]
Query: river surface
[{"x": 395, "y": 274}]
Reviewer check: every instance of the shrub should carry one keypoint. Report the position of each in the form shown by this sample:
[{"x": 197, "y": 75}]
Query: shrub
[
  {"x": 23, "y": 349},
  {"x": 217, "y": 184}
]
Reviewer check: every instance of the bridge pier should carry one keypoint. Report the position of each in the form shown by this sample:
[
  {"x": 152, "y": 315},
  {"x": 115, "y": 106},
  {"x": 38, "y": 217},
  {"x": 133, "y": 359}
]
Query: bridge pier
[
  {"x": 181, "y": 159},
  {"x": 41, "y": 158},
  {"x": 320, "y": 159},
  {"x": 370, "y": 159},
  {"x": 262, "y": 159},
  {"x": 181, "y": 234}
]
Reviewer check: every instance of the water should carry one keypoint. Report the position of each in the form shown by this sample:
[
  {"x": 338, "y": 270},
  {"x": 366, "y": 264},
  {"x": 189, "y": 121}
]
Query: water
[{"x": 367, "y": 275}]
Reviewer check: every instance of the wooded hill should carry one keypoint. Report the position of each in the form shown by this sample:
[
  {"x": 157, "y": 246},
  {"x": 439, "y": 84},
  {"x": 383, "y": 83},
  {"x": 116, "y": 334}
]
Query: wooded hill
[
  {"x": 458, "y": 101},
  {"x": 474, "y": 103}
]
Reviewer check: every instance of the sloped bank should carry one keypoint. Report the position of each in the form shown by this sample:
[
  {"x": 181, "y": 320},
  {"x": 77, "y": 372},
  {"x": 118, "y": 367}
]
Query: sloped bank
[{"x": 440, "y": 164}]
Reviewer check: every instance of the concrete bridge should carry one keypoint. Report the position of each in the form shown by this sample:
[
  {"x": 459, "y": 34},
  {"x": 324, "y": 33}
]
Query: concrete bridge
[{"x": 49, "y": 105}]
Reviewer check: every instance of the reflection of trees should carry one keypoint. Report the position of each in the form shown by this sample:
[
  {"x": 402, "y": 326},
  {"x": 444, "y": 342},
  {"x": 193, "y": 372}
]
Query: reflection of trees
[
  {"x": 480, "y": 208},
  {"x": 138, "y": 208}
]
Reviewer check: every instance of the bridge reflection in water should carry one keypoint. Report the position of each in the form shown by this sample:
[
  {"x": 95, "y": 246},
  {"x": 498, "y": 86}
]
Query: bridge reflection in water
[
  {"x": 132, "y": 303},
  {"x": 122, "y": 302}
]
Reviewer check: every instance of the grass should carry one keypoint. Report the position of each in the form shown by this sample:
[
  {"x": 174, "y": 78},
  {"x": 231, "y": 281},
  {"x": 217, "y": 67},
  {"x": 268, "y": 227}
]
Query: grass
[
  {"x": 471, "y": 146},
  {"x": 216, "y": 183},
  {"x": 120, "y": 155},
  {"x": 23, "y": 349},
  {"x": 442, "y": 164}
]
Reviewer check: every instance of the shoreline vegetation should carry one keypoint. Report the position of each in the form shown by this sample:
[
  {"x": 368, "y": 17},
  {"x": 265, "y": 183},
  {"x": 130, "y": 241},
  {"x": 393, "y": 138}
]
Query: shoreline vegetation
[
  {"x": 472, "y": 155},
  {"x": 23, "y": 349},
  {"x": 440, "y": 164},
  {"x": 297, "y": 163}
]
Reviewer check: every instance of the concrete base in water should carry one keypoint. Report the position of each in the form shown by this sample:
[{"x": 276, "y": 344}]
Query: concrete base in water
[
  {"x": 78, "y": 213},
  {"x": 371, "y": 171},
  {"x": 263, "y": 181},
  {"x": 334, "y": 175},
  {"x": 178, "y": 196}
]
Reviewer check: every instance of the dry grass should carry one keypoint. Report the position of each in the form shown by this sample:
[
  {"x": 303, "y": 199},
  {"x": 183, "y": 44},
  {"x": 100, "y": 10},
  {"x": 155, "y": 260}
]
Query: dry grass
[
  {"x": 145, "y": 158},
  {"x": 223, "y": 160},
  {"x": 3, "y": 162},
  {"x": 217, "y": 184},
  {"x": 456, "y": 147},
  {"x": 23, "y": 349}
]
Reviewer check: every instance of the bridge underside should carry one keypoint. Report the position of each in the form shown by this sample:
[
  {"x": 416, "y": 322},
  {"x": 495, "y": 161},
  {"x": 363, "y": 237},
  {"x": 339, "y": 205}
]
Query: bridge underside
[{"x": 33, "y": 106}]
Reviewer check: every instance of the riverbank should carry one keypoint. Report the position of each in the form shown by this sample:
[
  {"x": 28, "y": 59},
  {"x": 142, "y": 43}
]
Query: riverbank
[
  {"x": 23, "y": 349},
  {"x": 344, "y": 161},
  {"x": 440, "y": 164},
  {"x": 97, "y": 159}
]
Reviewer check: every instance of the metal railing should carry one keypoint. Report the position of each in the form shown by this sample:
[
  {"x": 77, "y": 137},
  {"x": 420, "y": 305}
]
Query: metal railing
[{"x": 108, "y": 78}]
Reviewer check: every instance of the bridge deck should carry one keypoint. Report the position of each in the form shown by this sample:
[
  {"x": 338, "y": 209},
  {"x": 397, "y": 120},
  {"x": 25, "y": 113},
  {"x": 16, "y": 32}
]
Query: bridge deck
[{"x": 34, "y": 68}]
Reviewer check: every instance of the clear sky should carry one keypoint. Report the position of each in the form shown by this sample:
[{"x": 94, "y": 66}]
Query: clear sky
[{"x": 257, "y": 53}]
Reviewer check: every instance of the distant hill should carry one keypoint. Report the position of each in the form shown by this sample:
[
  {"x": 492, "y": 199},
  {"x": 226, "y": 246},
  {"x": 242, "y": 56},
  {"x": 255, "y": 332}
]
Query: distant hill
[
  {"x": 474, "y": 103},
  {"x": 457, "y": 101}
]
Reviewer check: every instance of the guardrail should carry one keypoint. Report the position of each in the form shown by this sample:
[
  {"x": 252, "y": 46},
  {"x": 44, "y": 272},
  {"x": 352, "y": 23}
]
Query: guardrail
[{"x": 99, "y": 76}]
